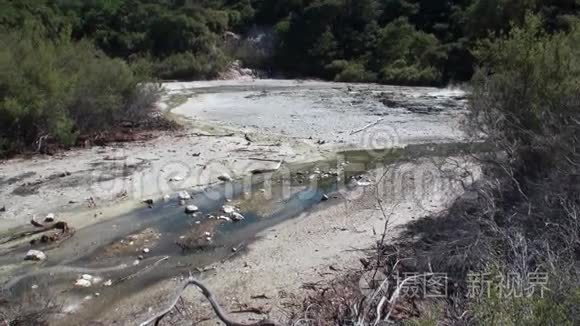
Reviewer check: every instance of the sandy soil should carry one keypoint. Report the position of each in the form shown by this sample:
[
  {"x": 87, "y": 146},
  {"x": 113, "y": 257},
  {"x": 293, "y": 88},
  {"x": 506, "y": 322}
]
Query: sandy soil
[{"x": 284, "y": 120}]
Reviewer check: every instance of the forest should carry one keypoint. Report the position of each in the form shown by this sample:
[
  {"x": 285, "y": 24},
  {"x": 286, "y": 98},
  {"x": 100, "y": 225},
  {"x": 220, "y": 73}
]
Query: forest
[
  {"x": 72, "y": 67},
  {"x": 390, "y": 41}
]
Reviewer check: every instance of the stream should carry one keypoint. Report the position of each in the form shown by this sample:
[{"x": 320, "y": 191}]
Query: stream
[{"x": 123, "y": 255}]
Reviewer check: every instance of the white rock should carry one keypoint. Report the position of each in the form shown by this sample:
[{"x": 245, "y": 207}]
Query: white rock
[
  {"x": 49, "y": 218},
  {"x": 34, "y": 286},
  {"x": 108, "y": 283},
  {"x": 191, "y": 209},
  {"x": 225, "y": 177},
  {"x": 35, "y": 255},
  {"x": 224, "y": 218},
  {"x": 184, "y": 195},
  {"x": 207, "y": 234},
  {"x": 87, "y": 277},
  {"x": 83, "y": 283},
  {"x": 237, "y": 216},
  {"x": 146, "y": 250},
  {"x": 166, "y": 198},
  {"x": 177, "y": 178},
  {"x": 228, "y": 209}
]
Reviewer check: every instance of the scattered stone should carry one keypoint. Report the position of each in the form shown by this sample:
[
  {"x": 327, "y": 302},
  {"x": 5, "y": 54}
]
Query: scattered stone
[
  {"x": 191, "y": 209},
  {"x": 49, "y": 218},
  {"x": 148, "y": 202},
  {"x": 262, "y": 190},
  {"x": 363, "y": 183},
  {"x": 146, "y": 250},
  {"x": 34, "y": 286},
  {"x": 166, "y": 198},
  {"x": 234, "y": 249},
  {"x": 197, "y": 222},
  {"x": 228, "y": 209},
  {"x": 196, "y": 154},
  {"x": 87, "y": 277},
  {"x": 2, "y": 209},
  {"x": 108, "y": 283},
  {"x": 35, "y": 255},
  {"x": 181, "y": 202},
  {"x": 136, "y": 262},
  {"x": 97, "y": 294},
  {"x": 83, "y": 283},
  {"x": 88, "y": 297},
  {"x": 207, "y": 234},
  {"x": 324, "y": 197},
  {"x": 140, "y": 257},
  {"x": 225, "y": 177},
  {"x": 224, "y": 218},
  {"x": 176, "y": 179},
  {"x": 184, "y": 195},
  {"x": 208, "y": 239},
  {"x": 237, "y": 216}
]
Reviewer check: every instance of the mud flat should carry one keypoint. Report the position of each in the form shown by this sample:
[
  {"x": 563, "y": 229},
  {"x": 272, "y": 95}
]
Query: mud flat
[{"x": 330, "y": 152}]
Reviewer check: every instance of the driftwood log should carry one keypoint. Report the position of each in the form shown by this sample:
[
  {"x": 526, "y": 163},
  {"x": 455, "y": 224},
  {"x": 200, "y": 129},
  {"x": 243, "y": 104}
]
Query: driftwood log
[{"x": 222, "y": 315}]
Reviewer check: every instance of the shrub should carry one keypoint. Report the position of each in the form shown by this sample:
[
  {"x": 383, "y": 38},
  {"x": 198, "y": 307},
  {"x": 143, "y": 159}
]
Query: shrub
[
  {"x": 409, "y": 56},
  {"x": 187, "y": 66},
  {"x": 354, "y": 72},
  {"x": 410, "y": 75},
  {"x": 57, "y": 90}
]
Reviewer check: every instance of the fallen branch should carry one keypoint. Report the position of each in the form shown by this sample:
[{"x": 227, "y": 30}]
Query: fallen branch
[
  {"x": 146, "y": 268},
  {"x": 63, "y": 226},
  {"x": 262, "y": 159},
  {"x": 261, "y": 171},
  {"x": 215, "y": 305},
  {"x": 211, "y": 135},
  {"x": 367, "y": 126}
]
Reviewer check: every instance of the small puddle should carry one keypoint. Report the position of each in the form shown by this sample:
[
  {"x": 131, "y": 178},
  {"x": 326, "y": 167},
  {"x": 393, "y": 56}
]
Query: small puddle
[{"x": 114, "y": 249}]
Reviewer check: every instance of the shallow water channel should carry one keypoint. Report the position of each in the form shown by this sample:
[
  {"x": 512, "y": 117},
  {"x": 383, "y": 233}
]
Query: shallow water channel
[{"x": 150, "y": 244}]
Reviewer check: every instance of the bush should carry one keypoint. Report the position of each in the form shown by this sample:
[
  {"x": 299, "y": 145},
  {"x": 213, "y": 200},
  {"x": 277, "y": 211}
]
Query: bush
[
  {"x": 408, "y": 56},
  {"x": 551, "y": 309},
  {"x": 57, "y": 90},
  {"x": 187, "y": 66},
  {"x": 410, "y": 75},
  {"x": 354, "y": 72}
]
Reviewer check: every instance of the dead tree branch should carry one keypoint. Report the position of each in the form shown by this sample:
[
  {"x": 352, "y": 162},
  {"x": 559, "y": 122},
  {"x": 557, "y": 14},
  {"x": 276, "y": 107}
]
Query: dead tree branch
[{"x": 222, "y": 315}]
